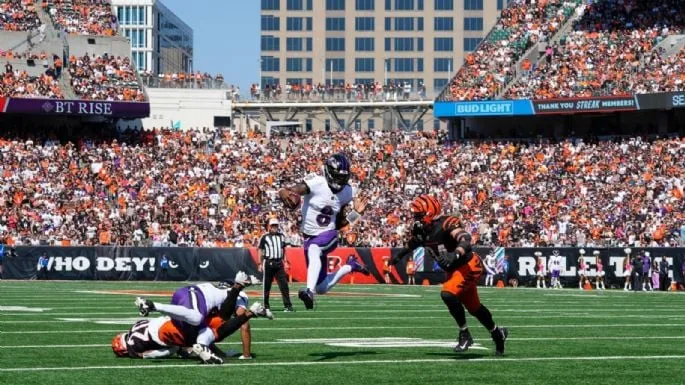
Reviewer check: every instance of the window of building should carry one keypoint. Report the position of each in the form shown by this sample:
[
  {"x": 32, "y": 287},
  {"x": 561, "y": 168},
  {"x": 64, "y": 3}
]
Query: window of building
[
  {"x": 439, "y": 84},
  {"x": 271, "y": 5},
  {"x": 364, "y": 44},
  {"x": 271, "y": 43},
  {"x": 442, "y": 65},
  {"x": 364, "y": 23},
  {"x": 388, "y": 23},
  {"x": 444, "y": 44},
  {"x": 367, "y": 81},
  {"x": 294, "y": 5},
  {"x": 271, "y": 23},
  {"x": 388, "y": 44},
  {"x": 419, "y": 44},
  {"x": 309, "y": 24},
  {"x": 309, "y": 44},
  {"x": 270, "y": 64},
  {"x": 293, "y": 44},
  {"x": 308, "y": 125},
  {"x": 473, "y": 24},
  {"x": 404, "y": 5},
  {"x": 404, "y": 24},
  {"x": 365, "y": 5},
  {"x": 364, "y": 64},
  {"x": 309, "y": 65},
  {"x": 335, "y": 5},
  {"x": 473, "y": 5},
  {"x": 471, "y": 43},
  {"x": 419, "y": 23},
  {"x": 419, "y": 64},
  {"x": 335, "y": 24},
  {"x": 388, "y": 5},
  {"x": 293, "y": 64},
  {"x": 404, "y": 44},
  {"x": 444, "y": 5},
  {"x": 404, "y": 65},
  {"x": 371, "y": 124},
  {"x": 335, "y": 65},
  {"x": 293, "y": 81},
  {"x": 335, "y": 44},
  {"x": 294, "y": 24},
  {"x": 270, "y": 81},
  {"x": 443, "y": 24},
  {"x": 419, "y": 5}
]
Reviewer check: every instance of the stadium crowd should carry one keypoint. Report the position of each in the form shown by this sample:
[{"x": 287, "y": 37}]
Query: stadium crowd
[
  {"x": 492, "y": 65},
  {"x": 18, "y": 15},
  {"x": 219, "y": 188},
  {"x": 20, "y": 84},
  {"x": 83, "y": 17},
  {"x": 105, "y": 78},
  {"x": 611, "y": 52}
]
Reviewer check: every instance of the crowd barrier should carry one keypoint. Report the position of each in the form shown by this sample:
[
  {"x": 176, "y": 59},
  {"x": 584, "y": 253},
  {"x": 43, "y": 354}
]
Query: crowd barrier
[{"x": 214, "y": 264}]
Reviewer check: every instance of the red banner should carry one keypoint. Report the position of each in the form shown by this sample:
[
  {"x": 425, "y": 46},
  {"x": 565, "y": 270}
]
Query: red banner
[{"x": 3, "y": 103}]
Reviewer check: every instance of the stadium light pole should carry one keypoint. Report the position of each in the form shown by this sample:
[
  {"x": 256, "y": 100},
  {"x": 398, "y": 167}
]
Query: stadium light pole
[{"x": 260, "y": 75}]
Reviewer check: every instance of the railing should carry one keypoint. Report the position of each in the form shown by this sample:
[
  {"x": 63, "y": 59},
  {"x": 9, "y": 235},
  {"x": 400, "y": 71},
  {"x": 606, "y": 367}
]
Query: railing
[
  {"x": 338, "y": 95},
  {"x": 152, "y": 81}
]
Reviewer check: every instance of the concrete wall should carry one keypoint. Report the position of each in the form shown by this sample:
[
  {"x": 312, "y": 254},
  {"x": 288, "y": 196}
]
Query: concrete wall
[
  {"x": 191, "y": 107},
  {"x": 116, "y": 45}
]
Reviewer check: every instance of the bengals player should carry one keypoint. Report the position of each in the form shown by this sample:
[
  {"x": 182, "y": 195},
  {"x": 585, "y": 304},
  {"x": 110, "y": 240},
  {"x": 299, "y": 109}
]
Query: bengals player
[{"x": 450, "y": 245}]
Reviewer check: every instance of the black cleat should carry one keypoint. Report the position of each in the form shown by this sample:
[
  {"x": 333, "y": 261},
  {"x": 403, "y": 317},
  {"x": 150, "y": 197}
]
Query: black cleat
[
  {"x": 499, "y": 335},
  {"x": 306, "y": 296},
  {"x": 465, "y": 341}
]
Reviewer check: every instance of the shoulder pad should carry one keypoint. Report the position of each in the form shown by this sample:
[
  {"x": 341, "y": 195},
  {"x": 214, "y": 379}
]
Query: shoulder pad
[{"x": 450, "y": 223}]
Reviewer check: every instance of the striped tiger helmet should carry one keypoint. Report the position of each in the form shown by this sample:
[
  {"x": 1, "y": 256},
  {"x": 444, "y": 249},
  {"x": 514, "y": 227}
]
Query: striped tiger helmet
[
  {"x": 119, "y": 345},
  {"x": 426, "y": 208}
]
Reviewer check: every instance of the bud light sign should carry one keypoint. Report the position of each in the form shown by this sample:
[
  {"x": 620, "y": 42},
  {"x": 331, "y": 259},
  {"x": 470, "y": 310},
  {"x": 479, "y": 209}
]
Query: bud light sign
[{"x": 483, "y": 108}]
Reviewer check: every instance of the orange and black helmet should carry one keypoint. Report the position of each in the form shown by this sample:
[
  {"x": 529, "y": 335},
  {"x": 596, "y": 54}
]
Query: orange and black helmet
[
  {"x": 119, "y": 345},
  {"x": 426, "y": 208}
]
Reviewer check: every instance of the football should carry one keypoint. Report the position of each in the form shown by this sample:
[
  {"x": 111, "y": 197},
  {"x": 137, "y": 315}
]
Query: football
[{"x": 289, "y": 198}]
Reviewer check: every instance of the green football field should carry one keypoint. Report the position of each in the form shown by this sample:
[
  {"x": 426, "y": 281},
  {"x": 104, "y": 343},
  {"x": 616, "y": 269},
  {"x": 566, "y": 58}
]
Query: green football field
[{"x": 60, "y": 333}]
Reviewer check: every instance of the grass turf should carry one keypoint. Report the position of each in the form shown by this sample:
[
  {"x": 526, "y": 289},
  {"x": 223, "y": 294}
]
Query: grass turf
[{"x": 562, "y": 336}]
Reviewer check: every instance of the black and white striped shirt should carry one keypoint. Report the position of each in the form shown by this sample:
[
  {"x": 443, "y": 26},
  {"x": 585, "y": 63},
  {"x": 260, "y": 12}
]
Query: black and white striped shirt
[{"x": 273, "y": 245}]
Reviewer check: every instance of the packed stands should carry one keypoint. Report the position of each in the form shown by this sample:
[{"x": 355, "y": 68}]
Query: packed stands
[
  {"x": 21, "y": 85},
  {"x": 492, "y": 65},
  {"x": 18, "y": 15},
  {"x": 105, "y": 78},
  {"x": 611, "y": 52},
  {"x": 83, "y": 17},
  {"x": 218, "y": 188}
]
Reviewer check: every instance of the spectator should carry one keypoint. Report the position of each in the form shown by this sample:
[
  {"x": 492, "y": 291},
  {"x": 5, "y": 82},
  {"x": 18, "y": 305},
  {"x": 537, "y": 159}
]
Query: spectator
[
  {"x": 16, "y": 15},
  {"x": 83, "y": 17}
]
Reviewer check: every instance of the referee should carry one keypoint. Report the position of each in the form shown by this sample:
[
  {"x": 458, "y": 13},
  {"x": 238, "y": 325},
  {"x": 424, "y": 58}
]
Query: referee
[{"x": 272, "y": 257}]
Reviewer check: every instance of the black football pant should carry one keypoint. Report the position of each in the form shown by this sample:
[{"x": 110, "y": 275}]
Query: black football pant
[{"x": 275, "y": 269}]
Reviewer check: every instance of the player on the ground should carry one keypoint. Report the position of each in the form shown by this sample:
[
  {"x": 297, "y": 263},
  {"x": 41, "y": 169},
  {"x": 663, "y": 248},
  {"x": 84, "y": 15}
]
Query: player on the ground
[
  {"x": 555, "y": 268},
  {"x": 599, "y": 279},
  {"x": 490, "y": 263},
  {"x": 163, "y": 336},
  {"x": 325, "y": 210},
  {"x": 450, "y": 245},
  {"x": 541, "y": 271},
  {"x": 582, "y": 269}
]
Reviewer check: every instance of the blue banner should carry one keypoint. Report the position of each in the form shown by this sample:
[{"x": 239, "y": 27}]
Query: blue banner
[{"x": 483, "y": 108}]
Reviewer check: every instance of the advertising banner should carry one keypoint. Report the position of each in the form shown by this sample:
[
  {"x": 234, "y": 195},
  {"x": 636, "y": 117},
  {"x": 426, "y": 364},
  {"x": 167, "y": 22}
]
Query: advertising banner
[
  {"x": 216, "y": 264},
  {"x": 573, "y": 106},
  {"x": 76, "y": 107},
  {"x": 661, "y": 101},
  {"x": 482, "y": 108}
]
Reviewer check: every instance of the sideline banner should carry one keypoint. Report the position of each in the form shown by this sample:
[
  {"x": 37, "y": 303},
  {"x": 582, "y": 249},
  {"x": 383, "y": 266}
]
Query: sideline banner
[
  {"x": 215, "y": 264},
  {"x": 75, "y": 107}
]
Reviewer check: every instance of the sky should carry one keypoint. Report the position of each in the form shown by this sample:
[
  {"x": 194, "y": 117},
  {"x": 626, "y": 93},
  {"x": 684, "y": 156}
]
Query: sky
[{"x": 226, "y": 34}]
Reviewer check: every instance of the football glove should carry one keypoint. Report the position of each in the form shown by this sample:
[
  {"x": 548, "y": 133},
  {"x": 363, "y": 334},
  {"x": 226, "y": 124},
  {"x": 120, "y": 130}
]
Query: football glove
[{"x": 446, "y": 260}]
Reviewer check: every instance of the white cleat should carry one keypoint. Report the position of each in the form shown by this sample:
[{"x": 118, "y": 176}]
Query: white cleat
[
  {"x": 243, "y": 357},
  {"x": 206, "y": 356},
  {"x": 260, "y": 311}
]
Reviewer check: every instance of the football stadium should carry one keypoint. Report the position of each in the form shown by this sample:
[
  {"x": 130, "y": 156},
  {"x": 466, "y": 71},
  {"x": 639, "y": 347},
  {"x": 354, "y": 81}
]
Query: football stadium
[{"x": 405, "y": 191}]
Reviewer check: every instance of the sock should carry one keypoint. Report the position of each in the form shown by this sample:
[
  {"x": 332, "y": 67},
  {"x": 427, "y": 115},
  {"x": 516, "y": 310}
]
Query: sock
[
  {"x": 455, "y": 307},
  {"x": 180, "y": 313},
  {"x": 332, "y": 279},
  {"x": 485, "y": 317},
  {"x": 229, "y": 327},
  {"x": 625, "y": 286},
  {"x": 228, "y": 306},
  {"x": 205, "y": 337},
  {"x": 314, "y": 266},
  {"x": 544, "y": 285}
]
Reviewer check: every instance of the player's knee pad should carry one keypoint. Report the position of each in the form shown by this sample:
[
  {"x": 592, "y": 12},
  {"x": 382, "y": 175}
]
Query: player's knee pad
[{"x": 449, "y": 298}]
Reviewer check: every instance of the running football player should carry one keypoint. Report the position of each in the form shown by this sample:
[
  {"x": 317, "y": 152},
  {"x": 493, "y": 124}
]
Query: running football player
[
  {"x": 328, "y": 206},
  {"x": 450, "y": 245}
]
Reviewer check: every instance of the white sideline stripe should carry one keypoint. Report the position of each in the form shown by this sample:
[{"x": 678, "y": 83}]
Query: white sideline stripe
[
  {"x": 549, "y": 326},
  {"x": 348, "y": 362},
  {"x": 303, "y": 342}
]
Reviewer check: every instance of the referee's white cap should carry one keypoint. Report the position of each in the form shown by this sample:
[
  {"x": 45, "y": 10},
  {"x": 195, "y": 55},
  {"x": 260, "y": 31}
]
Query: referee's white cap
[{"x": 273, "y": 221}]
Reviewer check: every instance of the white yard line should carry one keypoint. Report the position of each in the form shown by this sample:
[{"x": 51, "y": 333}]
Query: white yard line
[
  {"x": 235, "y": 365},
  {"x": 314, "y": 341}
]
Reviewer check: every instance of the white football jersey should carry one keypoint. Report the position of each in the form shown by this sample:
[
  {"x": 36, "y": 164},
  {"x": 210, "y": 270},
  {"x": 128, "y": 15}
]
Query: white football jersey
[
  {"x": 321, "y": 206},
  {"x": 214, "y": 296},
  {"x": 490, "y": 260},
  {"x": 555, "y": 262}
]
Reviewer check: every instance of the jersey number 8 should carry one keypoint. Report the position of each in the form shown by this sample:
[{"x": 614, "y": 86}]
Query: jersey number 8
[{"x": 324, "y": 219}]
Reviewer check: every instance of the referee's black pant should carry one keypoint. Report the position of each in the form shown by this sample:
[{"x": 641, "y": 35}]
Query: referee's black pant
[{"x": 274, "y": 268}]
